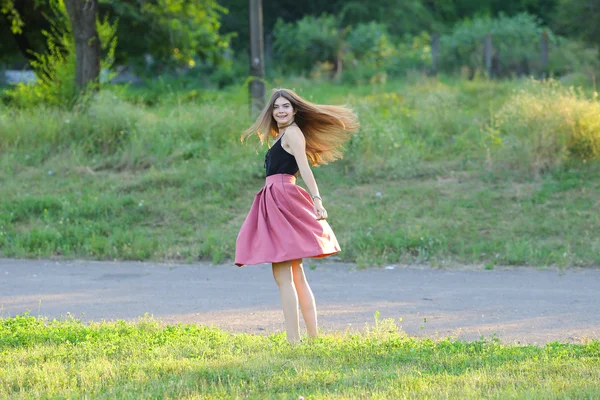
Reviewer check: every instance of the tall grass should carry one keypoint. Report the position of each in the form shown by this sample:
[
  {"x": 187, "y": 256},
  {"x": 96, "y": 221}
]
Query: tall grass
[
  {"x": 441, "y": 171},
  {"x": 545, "y": 125}
]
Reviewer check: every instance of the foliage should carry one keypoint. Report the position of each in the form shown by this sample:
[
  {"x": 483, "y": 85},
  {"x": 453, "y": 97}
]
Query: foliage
[
  {"x": 387, "y": 58},
  {"x": 401, "y": 18},
  {"x": 369, "y": 40},
  {"x": 321, "y": 46},
  {"x": 301, "y": 45},
  {"x": 411, "y": 53},
  {"x": 21, "y": 26},
  {"x": 55, "y": 69},
  {"x": 162, "y": 36},
  {"x": 516, "y": 43},
  {"x": 150, "y": 28},
  {"x": 515, "y": 40},
  {"x": 174, "y": 33},
  {"x": 368, "y": 53},
  {"x": 7, "y": 7},
  {"x": 570, "y": 58},
  {"x": 546, "y": 125},
  {"x": 578, "y": 19}
]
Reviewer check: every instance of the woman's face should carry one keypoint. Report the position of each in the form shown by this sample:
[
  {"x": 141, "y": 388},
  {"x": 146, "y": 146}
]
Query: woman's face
[{"x": 283, "y": 112}]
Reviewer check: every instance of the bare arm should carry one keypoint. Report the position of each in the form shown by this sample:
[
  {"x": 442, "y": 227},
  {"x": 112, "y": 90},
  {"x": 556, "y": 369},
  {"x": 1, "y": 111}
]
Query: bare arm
[{"x": 296, "y": 144}]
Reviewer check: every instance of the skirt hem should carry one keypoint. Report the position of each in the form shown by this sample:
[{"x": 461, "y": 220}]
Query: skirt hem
[{"x": 322, "y": 255}]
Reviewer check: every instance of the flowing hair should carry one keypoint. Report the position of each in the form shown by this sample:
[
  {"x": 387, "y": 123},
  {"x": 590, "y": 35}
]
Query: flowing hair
[{"x": 325, "y": 127}]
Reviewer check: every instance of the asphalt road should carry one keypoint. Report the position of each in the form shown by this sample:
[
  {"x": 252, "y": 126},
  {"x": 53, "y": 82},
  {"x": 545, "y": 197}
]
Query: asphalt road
[{"x": 521, "y": 304}]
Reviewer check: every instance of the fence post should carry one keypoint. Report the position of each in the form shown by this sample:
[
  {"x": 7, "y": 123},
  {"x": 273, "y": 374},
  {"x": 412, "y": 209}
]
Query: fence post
[
  {"x": 544, "y": 50},
  {"x": 487, "y": 55},
  {"x": 435, "y": 52}
]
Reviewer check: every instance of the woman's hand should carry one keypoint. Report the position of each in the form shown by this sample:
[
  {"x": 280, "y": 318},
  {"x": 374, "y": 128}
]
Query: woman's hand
[{"x": 319, "y": 209}]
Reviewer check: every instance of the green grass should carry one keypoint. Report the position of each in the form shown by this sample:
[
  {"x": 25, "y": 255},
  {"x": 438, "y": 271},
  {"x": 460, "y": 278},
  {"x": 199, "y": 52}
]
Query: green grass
[
  {"x": 69, "y": 359},
  {"x": 428, "y": 178}
]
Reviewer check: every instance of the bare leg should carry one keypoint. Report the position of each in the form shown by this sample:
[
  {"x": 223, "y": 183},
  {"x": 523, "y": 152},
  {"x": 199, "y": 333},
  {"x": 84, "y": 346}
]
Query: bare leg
[
  {"x": 305, "y": 297},
  {"x": 282, "y": 272}
]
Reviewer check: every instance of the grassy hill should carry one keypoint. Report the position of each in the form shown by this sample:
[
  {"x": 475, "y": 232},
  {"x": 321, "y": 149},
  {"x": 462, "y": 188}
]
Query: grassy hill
[{"x": 442, "y": 172}]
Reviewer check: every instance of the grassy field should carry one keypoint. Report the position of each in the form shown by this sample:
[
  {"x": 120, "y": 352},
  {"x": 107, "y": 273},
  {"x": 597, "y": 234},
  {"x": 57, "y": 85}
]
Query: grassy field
[
  {"x": 491, "y": 173},
  {"x": 67, "y": 359}
]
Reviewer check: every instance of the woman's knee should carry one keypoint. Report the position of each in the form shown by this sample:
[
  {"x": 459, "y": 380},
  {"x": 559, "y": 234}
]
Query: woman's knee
[
  {"x": 282, "y": 272},
  {"x": 298, "y": 270}
]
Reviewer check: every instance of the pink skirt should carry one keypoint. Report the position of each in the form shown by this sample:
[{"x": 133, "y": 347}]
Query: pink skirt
[{"x": 282, "y": 226}]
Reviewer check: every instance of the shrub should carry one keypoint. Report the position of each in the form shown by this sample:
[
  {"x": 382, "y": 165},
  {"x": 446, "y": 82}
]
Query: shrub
[
  {"x": 370, "y": 40},
  {"x": 543, "y": 126},
  {"x": 369, "y": 51},
  {"x": 515, "y": 42},
  {"x": 412, "y": 53},
  {"x": 321, "y": 46},
  {"x": 301, "y": 45},
  {"x": 570, "y": 57}
]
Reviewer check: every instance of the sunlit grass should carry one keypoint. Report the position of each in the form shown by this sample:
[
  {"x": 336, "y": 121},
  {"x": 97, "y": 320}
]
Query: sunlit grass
[{"x": 146, "y": 359}]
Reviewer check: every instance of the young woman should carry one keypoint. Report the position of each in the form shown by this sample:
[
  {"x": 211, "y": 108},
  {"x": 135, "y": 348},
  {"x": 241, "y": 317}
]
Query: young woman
[{"x": 285, "y": 223}]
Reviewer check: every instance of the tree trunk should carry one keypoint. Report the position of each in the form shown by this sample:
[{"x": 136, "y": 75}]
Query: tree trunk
[
  {"x": 257, "y": 64},
  {"x": 82, "y": 14},
  {"x": 338, "y": 66},
  {"x": 435, "y": 52},
  {"x": 544, "y": 55},
  {"x": 488, "y": 51}
]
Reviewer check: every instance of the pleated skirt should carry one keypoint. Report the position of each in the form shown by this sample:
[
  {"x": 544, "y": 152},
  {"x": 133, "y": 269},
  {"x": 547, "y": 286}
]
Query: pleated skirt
[{"x": 282, "y": 226}]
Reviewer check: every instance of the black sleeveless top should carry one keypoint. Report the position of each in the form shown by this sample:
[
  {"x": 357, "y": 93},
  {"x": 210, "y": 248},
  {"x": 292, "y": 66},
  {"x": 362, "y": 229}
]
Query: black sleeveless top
[{"x": 279, "y": 161}]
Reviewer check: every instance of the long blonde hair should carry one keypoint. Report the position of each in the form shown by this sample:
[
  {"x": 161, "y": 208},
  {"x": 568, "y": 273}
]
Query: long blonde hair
[{"x": 325, "y": 127}]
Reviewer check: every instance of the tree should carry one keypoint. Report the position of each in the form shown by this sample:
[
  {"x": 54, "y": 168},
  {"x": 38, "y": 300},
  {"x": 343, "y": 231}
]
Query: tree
[
  {"x": 579, "y": 18},
  {"x": 174, "y": 33},
  {"x": 21, "y": 26},
  {"x": 82, "y": 14}
]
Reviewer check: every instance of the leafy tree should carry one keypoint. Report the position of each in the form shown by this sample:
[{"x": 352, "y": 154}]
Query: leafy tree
[
  {"x": 56, "y": 68},
  {"x": 401, "y": 17},
  {"x": 303, "y": 44},
  {"x": 21, "y": 25},
  {"x": 172, "y": 32},
  {"x": 285, "y": 10},
  {"x": 516, "y": 43},
  {"x": 325, "y": 45},
  {"x": 580, "y": 19}
]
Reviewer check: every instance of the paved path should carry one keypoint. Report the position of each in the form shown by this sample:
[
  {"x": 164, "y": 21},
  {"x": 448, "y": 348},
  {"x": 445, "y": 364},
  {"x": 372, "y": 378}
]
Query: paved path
[{"x": 523, "y": 305}]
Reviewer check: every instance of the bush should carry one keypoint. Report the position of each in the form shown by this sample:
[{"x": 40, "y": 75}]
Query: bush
[
  {"x": 516, "y": 43},
  {"x": 543, "y": 126},
  {"x": 572, "y": 57},
  {"x": 301, "y": 45},
  {"x": 368, "y": 53},
  {"x": 370, "y": 40},
  {"x": 412, "y": 53},
  {"x": 319, "y": 45}
]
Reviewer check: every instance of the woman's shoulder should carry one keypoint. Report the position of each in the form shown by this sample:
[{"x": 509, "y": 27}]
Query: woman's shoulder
[{"x": 295, "y": 131}]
